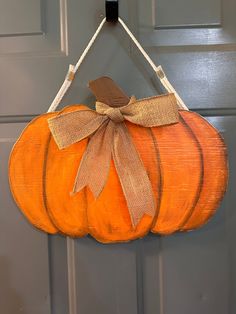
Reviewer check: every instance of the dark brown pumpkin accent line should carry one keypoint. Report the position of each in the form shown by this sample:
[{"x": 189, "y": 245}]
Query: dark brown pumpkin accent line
[
  {"x": 44, "y": 175},
  {"x": 45, "y": 199},
  {"x": 160, "y": 179},
  {"x": 44, "y": 182},
  {"x": 198, "y": 193}
]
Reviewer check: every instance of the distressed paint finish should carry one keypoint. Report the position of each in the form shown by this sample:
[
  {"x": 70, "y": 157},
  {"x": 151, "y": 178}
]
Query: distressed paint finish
[{"x": 192, "y": 178}]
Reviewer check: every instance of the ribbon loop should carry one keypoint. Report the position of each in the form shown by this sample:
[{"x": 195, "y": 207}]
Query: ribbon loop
[
  {"x": 111, "y": 139},
  {"x": 69, "y": 128}
]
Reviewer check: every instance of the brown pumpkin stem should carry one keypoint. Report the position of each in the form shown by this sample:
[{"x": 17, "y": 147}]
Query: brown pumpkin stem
[{"x": 107, "y": 91}]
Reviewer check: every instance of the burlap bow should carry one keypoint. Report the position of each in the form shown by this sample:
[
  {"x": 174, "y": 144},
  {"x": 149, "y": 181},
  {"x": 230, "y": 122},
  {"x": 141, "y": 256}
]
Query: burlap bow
[{"x": 110, "y": 138}]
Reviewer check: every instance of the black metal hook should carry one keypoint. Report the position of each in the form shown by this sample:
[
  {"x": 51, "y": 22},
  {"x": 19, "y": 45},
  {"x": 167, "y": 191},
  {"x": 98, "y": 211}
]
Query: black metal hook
[{"x": 112, "y": 10}]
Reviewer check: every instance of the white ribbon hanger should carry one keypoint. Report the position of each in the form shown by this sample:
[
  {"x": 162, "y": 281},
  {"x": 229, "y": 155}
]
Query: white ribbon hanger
[{"x": 74, "y": 68}]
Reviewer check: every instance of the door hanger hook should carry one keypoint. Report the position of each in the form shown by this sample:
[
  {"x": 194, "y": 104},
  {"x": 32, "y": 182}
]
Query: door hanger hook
[{"x": 112, "y": 10}]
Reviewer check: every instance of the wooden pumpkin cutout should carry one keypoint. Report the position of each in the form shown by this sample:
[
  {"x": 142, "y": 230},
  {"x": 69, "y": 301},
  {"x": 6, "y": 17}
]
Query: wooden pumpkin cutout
[{"x": 186, "y": 163}]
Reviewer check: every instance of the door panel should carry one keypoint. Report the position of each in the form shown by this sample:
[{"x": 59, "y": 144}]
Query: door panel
[
  {"x": 185, "y": 273},
  {"x": 192, "y": 14},
  {"x": 15, "y": 21},
  {"x": 198, "y": 57},
  {"x": 34, "y": 64},
  {"x": 193, "y": 23}
]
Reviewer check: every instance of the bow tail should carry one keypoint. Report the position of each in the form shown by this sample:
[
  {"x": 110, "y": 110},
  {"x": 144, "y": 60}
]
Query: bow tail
[
  {"x": 97, "y": 156},
  {"x": 133, "y": 176}
]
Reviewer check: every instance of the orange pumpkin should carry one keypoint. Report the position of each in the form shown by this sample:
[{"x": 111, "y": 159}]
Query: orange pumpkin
[{"x": 186, "y": 163}]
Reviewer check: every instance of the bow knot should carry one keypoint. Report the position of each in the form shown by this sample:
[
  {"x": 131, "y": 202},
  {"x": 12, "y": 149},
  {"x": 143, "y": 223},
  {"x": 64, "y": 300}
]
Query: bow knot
[
  {"x": 112, "y": 140},
  {"x": 114, "y": 114}
]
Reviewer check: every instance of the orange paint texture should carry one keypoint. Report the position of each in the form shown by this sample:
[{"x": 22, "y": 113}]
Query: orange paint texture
[{"x": 186, "y": 163}]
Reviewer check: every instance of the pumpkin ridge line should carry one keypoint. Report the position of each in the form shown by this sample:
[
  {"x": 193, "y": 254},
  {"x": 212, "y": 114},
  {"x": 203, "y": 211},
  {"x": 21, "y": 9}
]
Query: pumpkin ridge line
[
  {"x": 160, "y": 188},
  {"x": 200, "y": 186},
  {"x": 27, "y": 215},
  {"x": 44, "y": 180},
  {"x": 226, "y": 177},
  {"x": 50, "y": 212}
]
